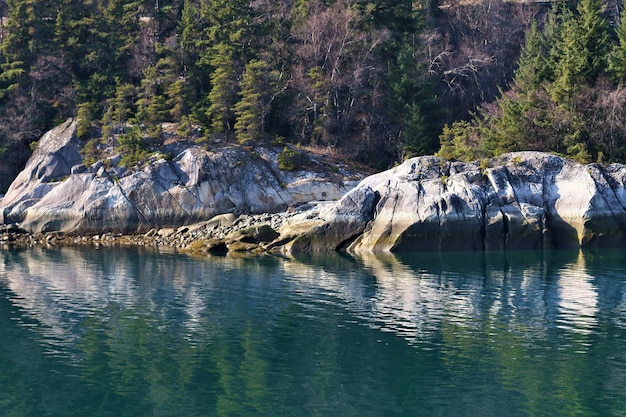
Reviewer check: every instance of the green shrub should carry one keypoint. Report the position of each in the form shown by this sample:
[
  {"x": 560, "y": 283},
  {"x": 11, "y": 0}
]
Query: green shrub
[
  {"x": 279, "y": 140},
  {"x": 90, "y": 152},
  {"x": 133, "y": 147},
  {"x": 84, "y": 116},
  {"x": 291, "y": 160}
]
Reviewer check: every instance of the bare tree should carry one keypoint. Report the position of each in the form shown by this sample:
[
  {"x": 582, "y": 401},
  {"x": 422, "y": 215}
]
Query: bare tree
[
  {"x": 472, "y": 49},
  {"x": 335, "y": 70}
]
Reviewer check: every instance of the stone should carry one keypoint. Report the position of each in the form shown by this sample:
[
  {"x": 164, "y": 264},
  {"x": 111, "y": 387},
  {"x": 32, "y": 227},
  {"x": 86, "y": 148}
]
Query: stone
[
  {"x": 78, "y": 169},
  {"x": 56, "y": 193},
  {"x": 526, "y": 200},
  {"x": 254, "y": 234},
  {"x": 239, "y": 246}
]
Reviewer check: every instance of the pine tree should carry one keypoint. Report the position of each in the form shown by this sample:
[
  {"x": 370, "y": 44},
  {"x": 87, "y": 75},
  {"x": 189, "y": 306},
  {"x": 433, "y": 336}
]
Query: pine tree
[
  {"x": 259, "y": 87},
  {"x": 84, "y": 116},
  {"x": 532, "y": 69},
  {"x": 227, "y": 32},
  {"x": 194, "y": 47},
  {"x": 568, "y": 59},
  {"x": 580, "y": 50},
  {"x": 152, "y": 98},
  {"x": 413, "y": 106},
  {"x": 223, "y": 94},
  {"x": 617, "y": 58},
  {"x": 593, "y": 30},
  {"x": 16, "y": 53},
  {"x": 178, "y": 99},
  {"x": 461, "y": 141},
  {"x": 120, "y": 108}
]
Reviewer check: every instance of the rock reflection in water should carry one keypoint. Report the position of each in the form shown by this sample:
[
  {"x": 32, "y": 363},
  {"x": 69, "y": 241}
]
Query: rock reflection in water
[
  {"x": 410, "y": 296},
  {"x": 526, "y": 293},
  {"x": 136, "y": 332}
]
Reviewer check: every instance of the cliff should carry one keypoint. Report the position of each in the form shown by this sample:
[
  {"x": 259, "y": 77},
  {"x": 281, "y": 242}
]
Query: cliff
[{"x": 524, "y": 200}]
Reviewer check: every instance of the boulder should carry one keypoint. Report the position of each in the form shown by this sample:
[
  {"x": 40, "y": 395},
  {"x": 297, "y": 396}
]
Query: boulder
[
  {"x": 425, "y": 204},
  {"x": 254, "y": 234},
  {"x": 338, "y": 224}
]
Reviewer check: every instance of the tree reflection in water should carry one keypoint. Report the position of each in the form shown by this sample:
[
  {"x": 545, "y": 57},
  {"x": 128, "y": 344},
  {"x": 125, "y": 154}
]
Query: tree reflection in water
[{"x": 127, "y": 332}]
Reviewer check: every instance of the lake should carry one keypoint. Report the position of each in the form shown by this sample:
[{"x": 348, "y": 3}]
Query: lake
[{"x": 134, "y": 332}]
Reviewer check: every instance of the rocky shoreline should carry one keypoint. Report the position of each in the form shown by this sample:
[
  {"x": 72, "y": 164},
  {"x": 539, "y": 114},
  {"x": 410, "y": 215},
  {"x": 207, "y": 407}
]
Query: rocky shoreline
[
  {"x": 224, "y": 199},
  {"x": 223, "y": 234}
]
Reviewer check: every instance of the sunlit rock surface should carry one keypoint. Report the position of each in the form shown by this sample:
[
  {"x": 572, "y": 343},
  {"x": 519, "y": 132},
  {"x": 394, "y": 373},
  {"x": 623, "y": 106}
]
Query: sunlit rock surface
[
  {"x": 56, "y": 193},
  {"x": 524, "y": 200}
]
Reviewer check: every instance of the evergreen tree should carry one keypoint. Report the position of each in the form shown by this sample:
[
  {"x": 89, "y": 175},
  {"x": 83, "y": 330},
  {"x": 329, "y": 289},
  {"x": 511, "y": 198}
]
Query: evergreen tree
[
  {"x": 593, "y": 31},
  {"x": 152, "y": 101},
  {"x": 15, "y": 52},
  {"x": 461, "y": 141},
  {"x": 223, "y": 94},
  {"x": 532, "y": 69},
  {"x": 227, "y": 32},
  {"x": 568, "y": 59},
  {"x": 192, "y": 41},
  {"x": 617, "y": 58},
  {"x": 33, "y": 73},
  {"x": 259, "y": 87},
  {"x": 413, "y": 106},
  {"x": 28, "y": 34},
  {"x": 84, "y": 116},
  {"x": 120, "y": 108},
  {"x": 178, "y": 99},
  {"x": 527, "y": 120},
  {"x": 580, "y": 49},
  {"x": 521, "y": 119}
]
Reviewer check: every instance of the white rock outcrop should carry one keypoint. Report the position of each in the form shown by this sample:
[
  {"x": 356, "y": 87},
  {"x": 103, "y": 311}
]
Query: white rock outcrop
[
  {"x": 56, "y": 193},
  {"x": 523, "y": 200}
]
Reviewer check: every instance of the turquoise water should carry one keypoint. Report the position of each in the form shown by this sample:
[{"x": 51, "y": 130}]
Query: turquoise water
[{"x": 125, "y": 332}]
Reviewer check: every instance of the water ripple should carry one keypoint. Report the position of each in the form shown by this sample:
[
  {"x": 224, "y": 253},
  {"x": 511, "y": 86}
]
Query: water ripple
[{"x": 374, "y": 336}]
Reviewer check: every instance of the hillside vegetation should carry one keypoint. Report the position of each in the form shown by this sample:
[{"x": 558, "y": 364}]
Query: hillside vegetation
[
  {"x": 568, "y": 94},
  {"x": 376, "y": 81}
]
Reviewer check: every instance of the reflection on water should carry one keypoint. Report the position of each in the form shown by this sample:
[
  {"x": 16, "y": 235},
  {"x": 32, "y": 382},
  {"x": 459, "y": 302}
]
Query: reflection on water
[
  {"x": 578, "y": 298},
  {"x": 132, "y": 332}
]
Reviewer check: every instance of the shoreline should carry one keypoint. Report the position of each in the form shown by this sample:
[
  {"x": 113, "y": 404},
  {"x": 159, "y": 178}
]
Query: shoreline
[{"x": 222, "y": 234}]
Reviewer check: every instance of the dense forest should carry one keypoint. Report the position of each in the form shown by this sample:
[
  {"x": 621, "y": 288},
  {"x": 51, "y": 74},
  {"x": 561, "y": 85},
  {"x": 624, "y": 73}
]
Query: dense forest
[
  {"x": 379, "y": 81},
  {"x": 567, "y": 95}
]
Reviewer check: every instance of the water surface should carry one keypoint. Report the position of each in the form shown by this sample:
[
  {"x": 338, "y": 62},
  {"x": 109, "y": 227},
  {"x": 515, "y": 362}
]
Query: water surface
[{"x": 129, "y": 332}]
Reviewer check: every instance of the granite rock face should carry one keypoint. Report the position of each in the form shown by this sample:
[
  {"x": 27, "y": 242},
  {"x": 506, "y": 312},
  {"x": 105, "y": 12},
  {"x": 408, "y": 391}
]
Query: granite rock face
[
  {"x": 57, "y": 153},
  {"x": 523, "y": 200},
  {"x": 55, "y": 192}
]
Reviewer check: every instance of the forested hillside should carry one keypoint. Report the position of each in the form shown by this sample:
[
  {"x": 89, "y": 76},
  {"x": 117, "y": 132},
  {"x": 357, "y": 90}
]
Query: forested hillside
[
  {"x": 378, "y": 81},
  {"x": 568, "y": 95}
]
